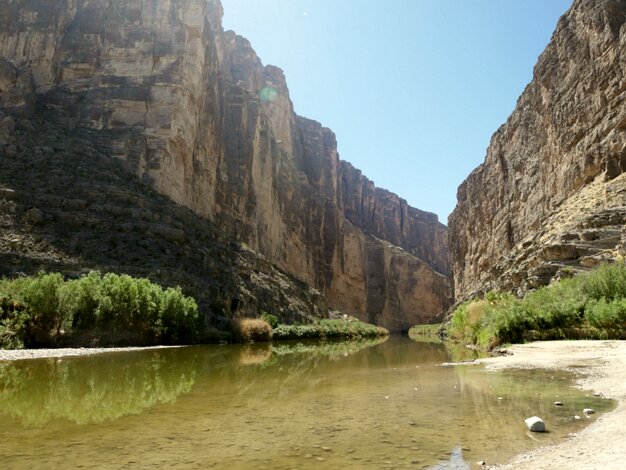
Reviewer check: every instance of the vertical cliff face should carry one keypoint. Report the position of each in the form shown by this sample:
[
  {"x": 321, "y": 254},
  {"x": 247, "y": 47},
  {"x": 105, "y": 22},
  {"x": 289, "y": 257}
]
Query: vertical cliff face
[
  {"x": 547, "y": 199},
  {"x": 193, "y": 112}
]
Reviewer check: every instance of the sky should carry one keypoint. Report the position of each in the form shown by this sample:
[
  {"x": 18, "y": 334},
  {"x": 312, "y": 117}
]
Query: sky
[{"x": 413, "y": 89}]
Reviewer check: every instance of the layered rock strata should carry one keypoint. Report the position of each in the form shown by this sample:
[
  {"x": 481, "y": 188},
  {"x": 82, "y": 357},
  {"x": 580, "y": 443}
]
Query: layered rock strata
[
  {"x": 190, "y": 110},
  {"x": 548, "y": 200}
]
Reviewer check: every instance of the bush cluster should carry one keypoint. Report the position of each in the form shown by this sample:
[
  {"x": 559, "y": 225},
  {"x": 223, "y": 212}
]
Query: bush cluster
[
  {"x": 251, "y": 329},
  {"x": 330, "y": 329},
  {"x": 43, "y": 309},
  {"x": 587, "y": 303}
]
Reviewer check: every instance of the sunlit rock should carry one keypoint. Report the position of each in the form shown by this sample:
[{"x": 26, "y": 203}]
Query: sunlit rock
[{"x": 535, "y": 424}]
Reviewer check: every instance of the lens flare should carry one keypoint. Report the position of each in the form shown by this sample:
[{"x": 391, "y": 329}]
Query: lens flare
[{"x": 268, "y": 94}]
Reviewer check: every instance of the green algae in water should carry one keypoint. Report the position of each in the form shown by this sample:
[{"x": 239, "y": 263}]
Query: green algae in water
[{"x": 374, "y": 404}]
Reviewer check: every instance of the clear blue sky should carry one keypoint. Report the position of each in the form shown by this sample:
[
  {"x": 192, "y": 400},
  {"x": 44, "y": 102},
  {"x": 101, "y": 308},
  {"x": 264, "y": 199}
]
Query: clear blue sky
[{"x": 413, "y": 89}]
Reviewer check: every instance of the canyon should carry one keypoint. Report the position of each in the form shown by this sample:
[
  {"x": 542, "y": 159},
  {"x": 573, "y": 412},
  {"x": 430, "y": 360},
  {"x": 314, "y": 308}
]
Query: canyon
[
  {"x": 550, "y": 198},
  {"x": 141, "y": 137}
]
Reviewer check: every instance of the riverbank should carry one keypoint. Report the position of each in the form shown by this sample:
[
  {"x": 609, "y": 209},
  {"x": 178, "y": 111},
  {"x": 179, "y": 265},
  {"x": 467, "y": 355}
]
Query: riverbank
[
  {"x": 20, "y": 354},
  {"x": 600, "y": 367}
]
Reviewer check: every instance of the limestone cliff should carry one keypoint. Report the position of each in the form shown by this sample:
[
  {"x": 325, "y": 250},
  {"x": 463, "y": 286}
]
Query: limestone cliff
[
  {"x": 191, "y": 110},
  {"x": 548, "y": 200}
]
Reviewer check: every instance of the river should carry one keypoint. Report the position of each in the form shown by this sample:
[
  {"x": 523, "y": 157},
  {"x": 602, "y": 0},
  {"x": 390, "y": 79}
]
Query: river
[{"x": 373, "y": 404}]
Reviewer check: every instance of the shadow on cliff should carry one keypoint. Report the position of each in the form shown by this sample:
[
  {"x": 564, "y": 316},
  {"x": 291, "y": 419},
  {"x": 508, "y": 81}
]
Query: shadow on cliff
[{"x": 65, "y": 207}]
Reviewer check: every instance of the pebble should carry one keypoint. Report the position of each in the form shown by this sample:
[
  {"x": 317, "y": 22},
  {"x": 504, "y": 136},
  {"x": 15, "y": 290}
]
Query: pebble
[
  {"x": 589, "y": 411},
  {"x": 577, "y": 417},
  {"x": 481, "y": 463},
  {"x": 558, "y": 403}
]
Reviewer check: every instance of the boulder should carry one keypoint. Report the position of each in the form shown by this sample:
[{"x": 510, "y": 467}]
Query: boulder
[{"x": 535, "y": 424}]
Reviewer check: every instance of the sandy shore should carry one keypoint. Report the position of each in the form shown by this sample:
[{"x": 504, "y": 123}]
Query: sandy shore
[
  {"x": 19, "y": 354},
  {"x": 601, "y": 366}
]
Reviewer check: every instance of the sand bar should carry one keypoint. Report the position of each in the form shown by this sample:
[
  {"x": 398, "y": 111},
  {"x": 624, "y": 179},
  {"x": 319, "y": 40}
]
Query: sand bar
[
  {"x": 601, "y": 367},
  {"x": 20, "y": 354}
]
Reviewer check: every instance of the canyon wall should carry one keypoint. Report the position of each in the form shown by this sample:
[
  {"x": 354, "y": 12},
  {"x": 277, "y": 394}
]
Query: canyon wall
[
  {"x": 191, "y": 110},
  {"x": 549, "y": 199}
]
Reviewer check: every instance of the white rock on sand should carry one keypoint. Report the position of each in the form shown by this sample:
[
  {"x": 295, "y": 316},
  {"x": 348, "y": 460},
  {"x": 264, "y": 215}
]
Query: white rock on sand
[{"x": 601, "y": 366}]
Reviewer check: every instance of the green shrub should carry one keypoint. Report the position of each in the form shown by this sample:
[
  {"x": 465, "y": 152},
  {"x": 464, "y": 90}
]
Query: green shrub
[
  {"x": 330, "y": 329},
  {"x": 559, "y": 305},
  {"x": 271, "y": 319},
  {"x": 117, "y": 302},
  {"x": 79, "y": 300},
  {"x": 13, "y": 321},
  {"x": 179, "y": 317},
  {"x": 51, "y": 308},
  {"x": 606, "y": 314},
  {"x": 40, "y": 293},
  {"x": 505, "y": 322},
  {"x": 607, "y": 281},
  {"x": 466, "y": 320},
  {"x": 593, "y": 303},
  {"x": 471, "y": 319},
  {"x": 297, "y": 332}
]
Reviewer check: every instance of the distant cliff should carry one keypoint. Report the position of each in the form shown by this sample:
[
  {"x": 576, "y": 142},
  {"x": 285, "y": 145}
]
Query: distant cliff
[
  {"x": 191, "y": 110},
  {"x": 549, "y": 199}
]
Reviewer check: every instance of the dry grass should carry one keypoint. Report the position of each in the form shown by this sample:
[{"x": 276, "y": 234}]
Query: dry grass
[
  {"x": 251, "y": 329},
  {"x": 475, "y": 311}
]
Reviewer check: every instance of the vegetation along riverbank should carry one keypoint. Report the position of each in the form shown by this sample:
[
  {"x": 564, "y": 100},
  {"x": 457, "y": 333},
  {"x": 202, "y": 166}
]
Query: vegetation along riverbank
[
  {"x": 47, "y": 310},
  {"x": 589, "y": 306}
]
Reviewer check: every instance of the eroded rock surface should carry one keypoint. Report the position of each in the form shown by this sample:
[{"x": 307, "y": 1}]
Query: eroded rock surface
[
  {"x": 548, "y": 200},
  {"x": 191, "y": 111}
]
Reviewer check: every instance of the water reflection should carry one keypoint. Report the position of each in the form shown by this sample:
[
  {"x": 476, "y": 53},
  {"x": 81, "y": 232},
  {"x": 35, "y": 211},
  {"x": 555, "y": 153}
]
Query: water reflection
[
  {"x": 371, "y": 404},
  {"x": 94, "y": 389},
  {"x": 456, "y": 462},
  {"x": 456, "y": 352}
]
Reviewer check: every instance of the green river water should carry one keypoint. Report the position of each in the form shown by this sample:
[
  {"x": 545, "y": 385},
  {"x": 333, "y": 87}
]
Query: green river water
[{"x": 376, "y": 404}]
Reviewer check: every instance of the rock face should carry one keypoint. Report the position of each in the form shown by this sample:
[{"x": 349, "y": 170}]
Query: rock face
[
  {"x": 191, "y": 111},
  {"x": 549, "y": 200}
]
